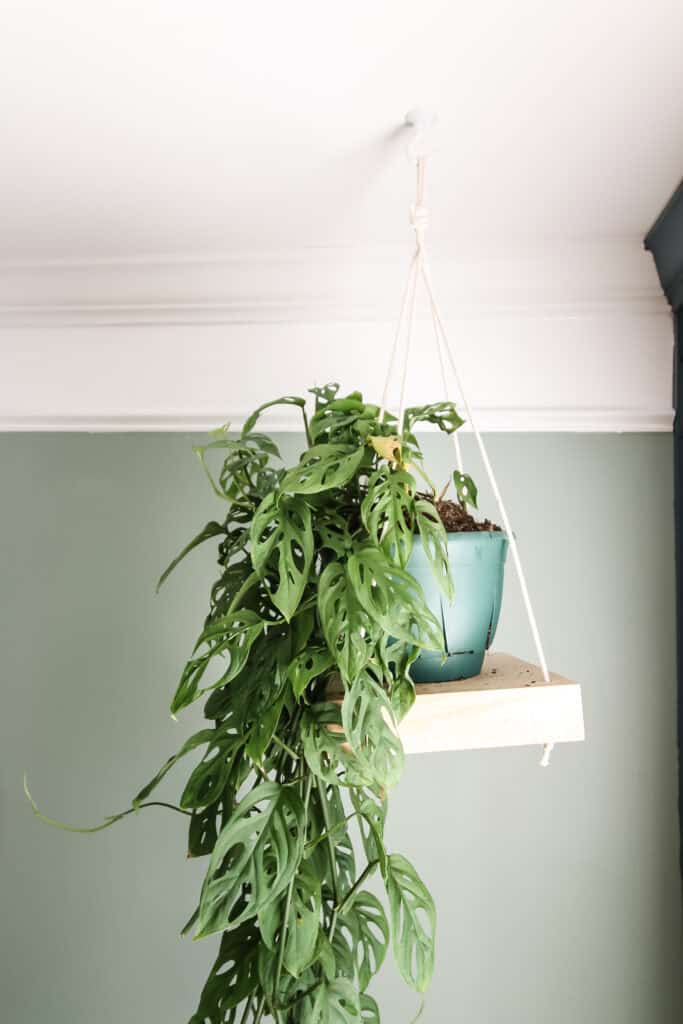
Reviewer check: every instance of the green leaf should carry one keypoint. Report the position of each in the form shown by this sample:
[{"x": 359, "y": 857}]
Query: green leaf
[
  {"x": 393, "y": 598},
  {"x": 250, "y": 423},
  {"x": 434, "y": 545},
  {"x": 233, "y": 976},
  {"x": 199, "y": 739},
  {"x": 333, "y": 530},
  {"x": 369, "y": 726},
  {"x": 402, "y": 697},
  {"x": 466, "y": 488},
  {"x": 413, "y": 922},
  {"x": 308, "y": 665},
  {"x": 245, "y": 458},
  {"x": 202, "y": 833},
  {"x": 324, "y": 394},
  {"x": 349, "y": 631},
  {"x": 209, "y": 778},
  {"x": 211, "y": 529},
  {"x": 371, "y": 805},
  {"x": 369, "y": 1010},
  {"x": 263, "y": 729},
  {"x": 255, "y": 857},
  {"x": 373, "y": 935},
  {"x": 323, "y": 467},
  {"x": 324, "y": 955},
  {"x": 232, "y": 634},
  {"x": 388, "y": 512},
  {"x": 443, "y": 414},
  {"x": 303, "y": 924},
  {"x": 335, "y": 1002},
  {"x": 283, "y": 528},
  {"x": 326, "y": 749}
]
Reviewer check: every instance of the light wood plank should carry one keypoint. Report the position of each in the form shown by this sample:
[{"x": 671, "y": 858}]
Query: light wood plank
[{"x": 507, "y": 705}]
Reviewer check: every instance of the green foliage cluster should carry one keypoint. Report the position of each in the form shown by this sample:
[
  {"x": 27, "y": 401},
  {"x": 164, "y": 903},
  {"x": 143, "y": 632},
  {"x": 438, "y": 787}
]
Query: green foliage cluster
[{"x": 304, "y": 661}]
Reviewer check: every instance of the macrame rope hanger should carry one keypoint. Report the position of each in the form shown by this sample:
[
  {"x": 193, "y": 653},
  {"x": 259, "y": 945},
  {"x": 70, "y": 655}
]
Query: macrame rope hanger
[{"x": 421, "y": 122}]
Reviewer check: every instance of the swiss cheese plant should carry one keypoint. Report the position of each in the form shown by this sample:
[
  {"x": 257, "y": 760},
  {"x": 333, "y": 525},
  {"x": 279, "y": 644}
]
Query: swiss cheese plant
[{"x": 303, "y": 664}]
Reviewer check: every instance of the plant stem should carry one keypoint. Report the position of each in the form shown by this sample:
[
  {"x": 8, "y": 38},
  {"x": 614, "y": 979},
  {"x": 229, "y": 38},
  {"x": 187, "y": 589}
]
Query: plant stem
[
  {"x": 443, "y": 493},
  {"x": 259, "y": 1012},
  {"x": 290, "y": 890},
  {"x": 307, "y": 428},
  {"x": 340, "y": 824},
  {"x": 251, "y": 579},
  {"x": 356, "y": 885},
  {"x": 328, "y": 832},
  {"x": 287, "y": 749},
  {"x": 111, "y": 820}
]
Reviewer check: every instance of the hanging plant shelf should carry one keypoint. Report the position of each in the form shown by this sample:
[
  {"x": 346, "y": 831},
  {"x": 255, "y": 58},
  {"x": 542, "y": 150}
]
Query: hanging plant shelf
[{"x": 508, "y": 705}]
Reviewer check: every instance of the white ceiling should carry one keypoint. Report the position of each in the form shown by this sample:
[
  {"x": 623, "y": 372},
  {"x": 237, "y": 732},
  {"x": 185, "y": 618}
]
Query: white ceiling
[{"x": 166, "y": 127}]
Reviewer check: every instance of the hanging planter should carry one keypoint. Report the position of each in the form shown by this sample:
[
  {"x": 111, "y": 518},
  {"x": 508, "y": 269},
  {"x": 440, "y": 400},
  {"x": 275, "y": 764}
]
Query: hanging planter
[
  {"x": 476, "y": 561},
  {"x": 338, "y": 590}
]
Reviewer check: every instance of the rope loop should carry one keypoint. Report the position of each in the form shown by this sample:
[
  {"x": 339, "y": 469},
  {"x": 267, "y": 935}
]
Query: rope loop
[
  {"x": 419, "y": 218},
  {"x": 419, "y": 270}
]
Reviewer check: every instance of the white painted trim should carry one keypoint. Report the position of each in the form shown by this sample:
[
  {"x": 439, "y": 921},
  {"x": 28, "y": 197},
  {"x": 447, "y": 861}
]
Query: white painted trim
[
  {"x": 554, "y": 280},
  {"x": 565, "y": 338},
  {"x": 501, "y": 420}
]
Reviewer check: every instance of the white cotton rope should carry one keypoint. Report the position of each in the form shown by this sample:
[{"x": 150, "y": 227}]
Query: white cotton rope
[
  {"x": 420, "y": 268},
  {"x": 412, "y": 279}
]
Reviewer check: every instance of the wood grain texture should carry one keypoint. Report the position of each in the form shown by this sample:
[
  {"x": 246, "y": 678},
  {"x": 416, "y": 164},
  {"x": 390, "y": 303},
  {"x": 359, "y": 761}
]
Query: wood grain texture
[{"x": 507, "y": 705}]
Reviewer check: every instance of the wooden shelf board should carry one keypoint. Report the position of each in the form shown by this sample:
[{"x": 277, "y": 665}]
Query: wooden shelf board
[{"x": 508, "y": 705}]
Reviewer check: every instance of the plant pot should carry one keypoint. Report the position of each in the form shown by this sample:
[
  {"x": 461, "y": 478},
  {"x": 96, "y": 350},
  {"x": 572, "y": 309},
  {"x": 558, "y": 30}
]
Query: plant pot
[{"x": 477, "y": 562}]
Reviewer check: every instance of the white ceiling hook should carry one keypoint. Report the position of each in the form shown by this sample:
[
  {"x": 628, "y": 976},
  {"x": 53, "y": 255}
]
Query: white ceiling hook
[{"x": 421, "y": 121}]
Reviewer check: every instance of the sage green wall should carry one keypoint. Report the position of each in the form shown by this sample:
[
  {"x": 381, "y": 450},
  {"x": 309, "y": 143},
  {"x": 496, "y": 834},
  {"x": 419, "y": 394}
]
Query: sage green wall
[{"x": 557, "y": 890}]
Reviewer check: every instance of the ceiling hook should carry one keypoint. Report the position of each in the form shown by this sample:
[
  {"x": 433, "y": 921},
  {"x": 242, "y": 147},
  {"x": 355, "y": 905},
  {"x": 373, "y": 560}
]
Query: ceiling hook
[{"x": 421, "y": 121}]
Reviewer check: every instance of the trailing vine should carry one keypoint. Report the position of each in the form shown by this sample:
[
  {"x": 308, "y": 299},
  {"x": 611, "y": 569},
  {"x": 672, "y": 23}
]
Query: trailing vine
[{"x": 303, "y": 661}]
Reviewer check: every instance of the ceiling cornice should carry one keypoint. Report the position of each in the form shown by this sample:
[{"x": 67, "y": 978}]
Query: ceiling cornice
[
  {"x": 330, "y": 285},
  {"x": 563, "y": 337}
]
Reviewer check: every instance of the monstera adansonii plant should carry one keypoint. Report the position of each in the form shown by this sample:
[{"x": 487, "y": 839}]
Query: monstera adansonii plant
[{"x": 303, "y": 662}]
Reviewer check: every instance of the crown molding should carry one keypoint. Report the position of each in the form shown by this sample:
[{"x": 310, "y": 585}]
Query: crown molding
[
  {"x": 489, "y": 420},
  {"x": 564, "y": 337},
  {"x": 551, "y": 279}
]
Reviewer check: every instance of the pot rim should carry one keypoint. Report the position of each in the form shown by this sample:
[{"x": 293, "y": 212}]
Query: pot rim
[{"x": 470, "y": 534}]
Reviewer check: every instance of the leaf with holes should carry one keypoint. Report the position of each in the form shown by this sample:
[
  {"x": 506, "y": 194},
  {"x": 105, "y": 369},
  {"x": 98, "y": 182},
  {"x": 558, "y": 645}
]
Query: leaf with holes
[
  {"x": 283, "y": 529},
  {"x": 323, "y": 467},
  {"x": 233, "y": 976},
  {"x": 250, "y": 422},
  {"x": 402, "y": 697},
  {"x": 369, "y": 1010},
  {"x": 208, "y": 780},
  {"x": 443, "y": 414},
  {"x": 393, "y": 598},
  {"x": 435, "y": 545},
  {"x": 466, "y": 488},
  {"x": 388, "y": 512},
  {"x": 335, "y": 1002},
  {"x": 368, "y": 723},
  {"x": 326, "y": 749},
  {"x": 371, "y": 805},
  {"x": 308, "y": 665},
  {"x": 387, "y": 447},
  {"x": 203, "y": 831},
  {"x": 303, "y": 923},
  {"x": 413, "y": 921},
  {"x": 231, "y": 634},
  {"x": 258, "y": 852},
  {"x": 373, "y": 935},
  {"x": 349, "y": 631}
]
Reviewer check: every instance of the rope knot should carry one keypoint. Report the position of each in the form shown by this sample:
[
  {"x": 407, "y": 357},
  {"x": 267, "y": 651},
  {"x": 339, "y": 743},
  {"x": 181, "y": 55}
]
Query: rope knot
[{"x": 419, "y": 218}]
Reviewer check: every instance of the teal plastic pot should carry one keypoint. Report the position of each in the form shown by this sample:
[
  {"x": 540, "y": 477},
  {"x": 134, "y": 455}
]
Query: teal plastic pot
[{"x": 477, "y": 563}]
